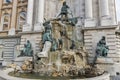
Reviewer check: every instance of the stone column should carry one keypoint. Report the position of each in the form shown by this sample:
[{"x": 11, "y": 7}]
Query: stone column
[
  {"x": 88, "y": 9},
  {"x": 28, "y": 25},
  {"x": 104, "y": 8},
  {"x": 40, "y": 16},
  {"x": 0, "y": 15},
  {"x": 13, "y": 18},
  {"x": 0, "y": 9}
]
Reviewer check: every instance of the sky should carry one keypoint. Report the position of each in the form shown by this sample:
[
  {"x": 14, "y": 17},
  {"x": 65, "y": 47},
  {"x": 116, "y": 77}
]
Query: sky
[{"x": 118, "y": 9}]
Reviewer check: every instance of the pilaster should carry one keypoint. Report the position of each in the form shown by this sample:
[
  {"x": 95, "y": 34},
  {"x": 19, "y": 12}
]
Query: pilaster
[
  {"x": 13, "y": 19},
  {"x": 28, "y": 25},
  {"x": 40, "y": 16}
]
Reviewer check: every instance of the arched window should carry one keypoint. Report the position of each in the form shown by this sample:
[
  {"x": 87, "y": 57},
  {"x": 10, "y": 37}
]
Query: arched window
[
  {"x": 5, "y": 21},
  {"x": 21, "y": 19},
  {"x": 7, "y": 1}
]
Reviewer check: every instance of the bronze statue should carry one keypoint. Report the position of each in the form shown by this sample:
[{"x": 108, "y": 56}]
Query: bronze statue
[
  {"x": 27, "y": 50},
  {"x": 102, "y": 48},
  {"x": 47, "y": 35},
  {"x": 64, "y": 10},
  {"x": 73, "y": 21},
  {"x": 46, "y": 40},
  {"x": 47, "y": 26}
]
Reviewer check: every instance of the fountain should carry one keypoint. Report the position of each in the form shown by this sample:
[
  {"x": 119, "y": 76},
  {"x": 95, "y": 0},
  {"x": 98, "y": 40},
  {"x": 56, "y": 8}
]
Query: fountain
[{"x": 62, "y": 57}]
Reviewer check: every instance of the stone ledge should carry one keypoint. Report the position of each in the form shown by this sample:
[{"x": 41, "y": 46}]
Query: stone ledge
[
  {"x": 100, "y": 27},
  {"x": 105, "y": 57},
  {"x": 20, "y": 60},
  {"x": 104, "y": 61},
  {"x": 14, "y": 36},
  {"x": 30, "y": 32}
]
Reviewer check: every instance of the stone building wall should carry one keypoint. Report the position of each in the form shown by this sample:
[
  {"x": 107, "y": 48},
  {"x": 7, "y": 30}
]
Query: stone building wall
[
  {"x": 92, "y": 36},
  {"x": 10, "y": 25}
]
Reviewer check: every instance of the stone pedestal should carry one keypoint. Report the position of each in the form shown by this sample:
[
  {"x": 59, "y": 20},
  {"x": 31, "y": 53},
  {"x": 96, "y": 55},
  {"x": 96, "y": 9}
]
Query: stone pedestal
[
  {"x": 107, "y": 65},
  {"x": 20, "y": 60},
  {"x": 116, "y": 68}
]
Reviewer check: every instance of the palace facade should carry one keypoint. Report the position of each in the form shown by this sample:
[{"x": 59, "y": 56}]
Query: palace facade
[
  {"x": 21, "y": 20},
  {"x": 12, "y": 17}
]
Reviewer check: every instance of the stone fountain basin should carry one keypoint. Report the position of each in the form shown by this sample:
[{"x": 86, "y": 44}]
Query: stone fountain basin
[{"x": 4, "y": 75}]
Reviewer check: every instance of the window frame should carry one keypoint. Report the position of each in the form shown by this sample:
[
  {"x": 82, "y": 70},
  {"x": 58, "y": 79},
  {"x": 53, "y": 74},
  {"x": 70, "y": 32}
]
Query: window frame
[
  {"x": 3, "y": 21},
  {"x": 20, "y": 21}
]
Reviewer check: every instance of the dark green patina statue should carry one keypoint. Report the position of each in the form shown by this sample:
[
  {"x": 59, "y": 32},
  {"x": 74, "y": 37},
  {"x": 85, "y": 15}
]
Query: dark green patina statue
[
  {"x": 73, "y": 21},
  {"x": 64, "y": 10},
  {"x": 47, "y": 35},
  {"x": 48, "y": 27},
  {"x": 27, "y": 50},
  {"x": 102, "y": 49}
]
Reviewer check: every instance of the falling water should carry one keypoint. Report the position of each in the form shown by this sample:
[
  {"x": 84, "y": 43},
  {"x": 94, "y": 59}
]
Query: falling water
[{"x": 58, "y": 62}]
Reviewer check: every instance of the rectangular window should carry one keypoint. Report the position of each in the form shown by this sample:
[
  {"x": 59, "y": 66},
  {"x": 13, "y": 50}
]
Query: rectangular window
[{"x": 5, "y": 21}]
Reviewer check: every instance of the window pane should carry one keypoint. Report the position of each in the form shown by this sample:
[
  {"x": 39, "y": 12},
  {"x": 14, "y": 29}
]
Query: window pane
[
  {"x": 22, "y": 16},
  {"x": 7, "y": 1},
  {"x": 5, "y": 26},
  {"x": 6, "y": 18},
  {"x": 21, "y": 19}
]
